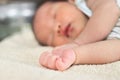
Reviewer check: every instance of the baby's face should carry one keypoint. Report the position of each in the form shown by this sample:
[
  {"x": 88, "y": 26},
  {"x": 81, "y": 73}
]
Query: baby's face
[{"x": 58, "y": 23}]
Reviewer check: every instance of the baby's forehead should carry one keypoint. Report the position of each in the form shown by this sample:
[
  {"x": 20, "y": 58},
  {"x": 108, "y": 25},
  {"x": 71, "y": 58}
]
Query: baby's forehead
[
  {"x": 45, "y": 6},
  {"x": 42, "y": 12},
  {"x": 43, "y": 9}
]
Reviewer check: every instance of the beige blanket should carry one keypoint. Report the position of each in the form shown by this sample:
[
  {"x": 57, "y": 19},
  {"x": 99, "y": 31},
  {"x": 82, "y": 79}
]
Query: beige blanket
[{"x": 19, "y": 56}]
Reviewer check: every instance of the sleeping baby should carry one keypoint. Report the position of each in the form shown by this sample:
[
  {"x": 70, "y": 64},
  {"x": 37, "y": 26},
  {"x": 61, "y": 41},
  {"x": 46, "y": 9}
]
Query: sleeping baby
[{"x": 81, "y": 32}]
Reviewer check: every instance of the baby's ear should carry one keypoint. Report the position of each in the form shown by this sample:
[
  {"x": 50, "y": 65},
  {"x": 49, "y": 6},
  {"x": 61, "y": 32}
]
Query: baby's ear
[{"x": 71, "y": 1}]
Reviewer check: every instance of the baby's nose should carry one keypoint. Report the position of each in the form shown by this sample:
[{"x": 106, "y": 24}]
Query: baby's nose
[{"x": 60, "y": 30}]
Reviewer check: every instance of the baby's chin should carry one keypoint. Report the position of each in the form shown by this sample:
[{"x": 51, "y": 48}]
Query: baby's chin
[
  {"x": 55, "y": 45},
  {"x": 60, "y": 44}
]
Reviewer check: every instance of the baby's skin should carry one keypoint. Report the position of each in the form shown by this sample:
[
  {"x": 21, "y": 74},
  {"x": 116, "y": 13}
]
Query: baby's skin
[
  {"x": 92, "y": 48},
  {"x": 59, "y": 58}
]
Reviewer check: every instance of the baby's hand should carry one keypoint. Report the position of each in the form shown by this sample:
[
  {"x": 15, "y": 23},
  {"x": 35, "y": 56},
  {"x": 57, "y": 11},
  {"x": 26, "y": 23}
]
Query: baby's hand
[{"x": 60, "y": 58}]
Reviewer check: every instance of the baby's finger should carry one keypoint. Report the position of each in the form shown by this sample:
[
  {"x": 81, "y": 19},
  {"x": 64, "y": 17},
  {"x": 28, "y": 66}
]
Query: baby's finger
[
  {"x": 66, "y": 60},
  {"x": 52, "y": 61},
  {"x": 60, "y": 65},
  {"x": 43, "y": 58}
]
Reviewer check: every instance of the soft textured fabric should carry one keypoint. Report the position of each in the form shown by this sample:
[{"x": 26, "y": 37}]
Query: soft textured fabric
[
  {"x": 115, "y": 33},
  {"x": 81, "y": 4},
  {"x": 19, "y": 60},
  {"x": 118, "y": 3}
]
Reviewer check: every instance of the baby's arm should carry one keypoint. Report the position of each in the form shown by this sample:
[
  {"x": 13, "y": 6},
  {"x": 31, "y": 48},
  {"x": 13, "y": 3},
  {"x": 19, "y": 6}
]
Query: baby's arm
[
  {"x": 98, "y": 53},
  {"x": 94, "y": 53},
  {"x": 104, "y": 17}
]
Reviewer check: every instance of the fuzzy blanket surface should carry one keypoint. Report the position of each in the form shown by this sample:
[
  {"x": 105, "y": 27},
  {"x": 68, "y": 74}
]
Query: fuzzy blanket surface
[{"x": 19, "y": 60}]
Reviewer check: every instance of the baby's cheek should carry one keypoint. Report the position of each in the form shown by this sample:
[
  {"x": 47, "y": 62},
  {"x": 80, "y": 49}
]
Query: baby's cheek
[{"x": 61, "y": 41}]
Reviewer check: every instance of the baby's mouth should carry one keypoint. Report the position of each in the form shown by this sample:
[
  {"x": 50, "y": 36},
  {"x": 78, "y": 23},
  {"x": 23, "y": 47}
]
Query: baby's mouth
[{"x": 67, "y": 30}]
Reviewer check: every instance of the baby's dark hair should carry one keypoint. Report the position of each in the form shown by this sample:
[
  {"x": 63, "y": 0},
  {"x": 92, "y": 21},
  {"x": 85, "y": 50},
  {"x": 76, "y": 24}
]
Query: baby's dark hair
[{"x": 38, "y": 5}]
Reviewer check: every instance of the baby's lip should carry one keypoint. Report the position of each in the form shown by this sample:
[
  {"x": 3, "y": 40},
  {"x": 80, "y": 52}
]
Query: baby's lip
[{"x": 67, "y": 30}]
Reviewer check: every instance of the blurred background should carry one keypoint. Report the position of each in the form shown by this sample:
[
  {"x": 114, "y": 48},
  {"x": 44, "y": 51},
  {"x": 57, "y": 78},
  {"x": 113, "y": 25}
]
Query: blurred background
[{"x": 15, "y": 14}]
